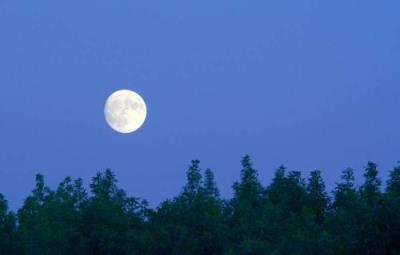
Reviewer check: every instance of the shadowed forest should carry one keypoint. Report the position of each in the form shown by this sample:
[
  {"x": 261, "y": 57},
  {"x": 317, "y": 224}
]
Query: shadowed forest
[{"x": 292, "y": 215}]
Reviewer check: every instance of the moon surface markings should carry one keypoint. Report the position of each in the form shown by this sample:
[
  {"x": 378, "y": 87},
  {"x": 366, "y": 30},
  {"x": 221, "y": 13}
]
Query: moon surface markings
[{"x": 125, "y": 111}]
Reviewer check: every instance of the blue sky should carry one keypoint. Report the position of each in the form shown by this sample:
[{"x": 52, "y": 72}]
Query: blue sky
[{"x": 308, "y": 84}]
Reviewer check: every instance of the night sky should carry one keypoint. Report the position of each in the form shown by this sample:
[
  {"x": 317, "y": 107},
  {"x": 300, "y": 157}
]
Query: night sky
[{"x": 308, "y": 84}]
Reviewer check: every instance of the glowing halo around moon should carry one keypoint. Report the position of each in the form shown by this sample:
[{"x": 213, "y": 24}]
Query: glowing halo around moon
[{"x": 125, "y": 111}]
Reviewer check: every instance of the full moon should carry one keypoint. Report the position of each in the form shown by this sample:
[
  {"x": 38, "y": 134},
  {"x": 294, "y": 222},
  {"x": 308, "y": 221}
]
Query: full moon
[{"x": 125, "y": 111}]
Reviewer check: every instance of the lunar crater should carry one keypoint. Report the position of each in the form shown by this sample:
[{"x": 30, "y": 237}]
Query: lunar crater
[{"x": 125, "y": 111}]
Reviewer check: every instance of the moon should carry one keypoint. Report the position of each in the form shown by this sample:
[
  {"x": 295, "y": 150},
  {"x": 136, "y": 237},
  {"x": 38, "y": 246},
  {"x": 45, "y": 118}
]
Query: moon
[{"x": 125, "y": 111}]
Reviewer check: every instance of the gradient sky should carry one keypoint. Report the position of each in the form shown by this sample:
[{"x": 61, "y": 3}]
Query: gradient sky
[{"x": 308, "y": 84}]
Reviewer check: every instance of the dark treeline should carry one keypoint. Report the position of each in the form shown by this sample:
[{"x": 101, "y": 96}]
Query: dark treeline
[{"x": 292, "y": 215}]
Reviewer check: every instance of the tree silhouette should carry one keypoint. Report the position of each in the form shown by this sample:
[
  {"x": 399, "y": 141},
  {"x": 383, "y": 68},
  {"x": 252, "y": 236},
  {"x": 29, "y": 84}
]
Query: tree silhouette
[
  {"x": 317, "y": 198},
  {"x": 291, "y": 215},
  {"x": 7, "y": 228}
]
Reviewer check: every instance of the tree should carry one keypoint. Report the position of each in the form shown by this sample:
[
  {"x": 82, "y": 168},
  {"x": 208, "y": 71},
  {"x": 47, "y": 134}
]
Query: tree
[
  {"x": 210, "y": 187},
  {"x": 317, "y": 198},
  {"x": 393, "y": 184},
  {"x": 193, "y": 176},
  {"x": 33, "y": 232},
  {"x": 345, "y": 192},
  {"x": 191, "y": 223},
  {"x": 370, "y": 190},
  {"x": 355, "y": 220},
  {"x": 344, "y": 220},
  {"x": 389, "y": 214},
  {"x": 371, "y": 236},
  {"x": 289, "y": 216},
  {"x": 296, "y": 188},
  {"x": 111, "y": 221},
  {"x": 246, "y": 211},
  {"x": 249, "y": 190},
  {"x": 7, "y": 228},
  {"x": 49, "y": 221}
]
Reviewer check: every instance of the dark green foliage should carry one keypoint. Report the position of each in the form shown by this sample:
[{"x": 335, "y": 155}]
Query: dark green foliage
[
  {"x": 191, "y": 223},
  {"x": 317, "y": 198},
  {"x": 346, "y": 217},
  {"x": 249, "y": 189},
  {"x": 246, "y": 209},
  {"x": 370, "y": 190},
  {"x": 388, "y": 218},
  {"x": 210, "y": 186},
  {"x": 48, "y": 220},
  {"x": 7, "y": 228},
  {"x": 292, "y": 215},
  {"x": 193, "y": 176},
  {"x": 111, "y": 221},
  {"x": 393, "y": 184}
]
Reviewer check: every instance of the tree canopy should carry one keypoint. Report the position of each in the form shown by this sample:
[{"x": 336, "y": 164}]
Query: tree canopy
[{"x": 293, "y": 214}]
